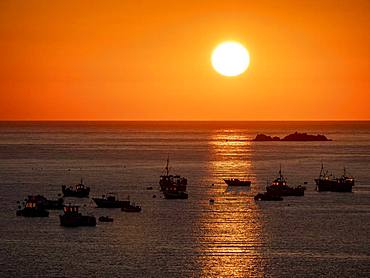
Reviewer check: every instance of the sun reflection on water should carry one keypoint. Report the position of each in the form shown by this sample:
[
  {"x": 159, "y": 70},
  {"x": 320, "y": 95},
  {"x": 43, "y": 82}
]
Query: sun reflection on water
[
  {"x": 231, "y": 236},
  {"x": 230, "y": 155}
]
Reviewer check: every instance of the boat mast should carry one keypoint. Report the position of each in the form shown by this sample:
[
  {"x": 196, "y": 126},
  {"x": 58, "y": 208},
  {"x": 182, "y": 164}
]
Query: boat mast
[
  {"x": 322, "y": 170},
  {"x": 280, "y": 172},
  {"x": 167, "y": 165}
]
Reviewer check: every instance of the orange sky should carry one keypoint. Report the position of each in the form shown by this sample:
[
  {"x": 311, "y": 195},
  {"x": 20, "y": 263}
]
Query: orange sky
[{"x": 150, "y": 60}]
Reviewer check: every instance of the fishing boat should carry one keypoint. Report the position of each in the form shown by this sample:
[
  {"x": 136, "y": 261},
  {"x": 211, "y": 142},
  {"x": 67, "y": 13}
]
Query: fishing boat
[
  {"x": 42, "y": 201},
  {"x": 237, "y": 182},
  {"x": 280, "y": 187},
  {"x": 131, "y": 208},
  {"x": 173, "y": 187},
  {"x": 168, "y": 181},
  {"x": 80, "y": 190},
  {"x": 72, "y": 218},
  {"x": 32, "y": 208},
  {"x": 327, "y": 182},
  {"x": 110, "y": 201}
]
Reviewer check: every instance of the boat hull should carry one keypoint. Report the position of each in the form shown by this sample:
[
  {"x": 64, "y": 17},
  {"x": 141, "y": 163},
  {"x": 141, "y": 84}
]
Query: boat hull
[
  {"x": 237, "y": 183},
  {"x": 333, "y": 185},
  {"x": 77, "y": 220},
  {"x": 29, "y": 212},
  {"x": 175, "y": 195},
  {"x": 131, "y": 209},
  {"x": 285, "y": 190}
]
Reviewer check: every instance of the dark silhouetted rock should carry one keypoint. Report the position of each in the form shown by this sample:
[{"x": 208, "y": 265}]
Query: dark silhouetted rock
[
  {"x": 263, "y": 137},
  {"x": 305, "y": 137},
  {"x": 292, "y": 137}
]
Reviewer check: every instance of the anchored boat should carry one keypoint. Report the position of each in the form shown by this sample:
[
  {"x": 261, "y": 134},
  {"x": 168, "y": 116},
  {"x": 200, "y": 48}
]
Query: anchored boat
[
  {"x": 33, "y": 208},
  {"x": 280, "y": 187},
  {"x": 167, "y": 181},
  {"x": 237, "y": 182},
  {"x": 80, "y": 190},
  {"x": 173, "y": 187},
  {"x": 131, "y": 208},
  {"x": 327, "y": 182},
  {"x": 72, "y": 218},
  {"x": 110, "y": 201}
]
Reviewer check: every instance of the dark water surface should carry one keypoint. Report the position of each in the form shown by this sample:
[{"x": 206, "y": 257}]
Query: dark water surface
[{"x": 320, "y": 234}]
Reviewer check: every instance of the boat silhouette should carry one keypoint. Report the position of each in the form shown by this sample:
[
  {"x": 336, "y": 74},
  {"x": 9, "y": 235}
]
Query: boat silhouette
[
  {"x": 110, "y": 201},
  {"x": 280, "y": 187},
  {"x": 173, "y": 187},
  {"x": 237, "y": 182},
  {"x": 80, "y": 190},
  {"x": 327, "y": 182},
  {"x": 33, "y": 207},
  {"x": 72, "y": 218}
]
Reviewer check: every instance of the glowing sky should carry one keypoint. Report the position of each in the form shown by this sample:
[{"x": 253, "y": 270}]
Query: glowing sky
[{"x": 150, "y": 60}]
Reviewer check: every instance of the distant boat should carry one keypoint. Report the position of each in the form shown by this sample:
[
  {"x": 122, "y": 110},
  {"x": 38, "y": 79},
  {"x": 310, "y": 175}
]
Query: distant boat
[
  {"x": 80, "y": 190},
  {"x": 33, "y": 208},
  {"x": 110, "y": 201},
  {"x": 72, "y": 218},
  {"x": 131, "y": 208},
  {"x": 326, "y": 182},
  {"x": 237, "y": 182},
  {"x": 280, "y": 187},
  {"x": 173, "y": 187}
]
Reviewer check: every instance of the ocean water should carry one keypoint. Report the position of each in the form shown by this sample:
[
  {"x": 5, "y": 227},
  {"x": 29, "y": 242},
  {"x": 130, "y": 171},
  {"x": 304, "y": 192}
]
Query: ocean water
[{"x": 318, "y": 235}]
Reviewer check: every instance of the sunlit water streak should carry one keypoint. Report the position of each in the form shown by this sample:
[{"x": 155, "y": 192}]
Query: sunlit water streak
[{"x": 322, "y": 234}]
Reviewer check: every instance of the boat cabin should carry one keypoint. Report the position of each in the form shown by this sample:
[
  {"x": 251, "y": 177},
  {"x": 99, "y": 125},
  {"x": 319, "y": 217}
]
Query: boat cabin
[
  {"x": 31, "y": 205},
  {"x": 70, "y": 209}
]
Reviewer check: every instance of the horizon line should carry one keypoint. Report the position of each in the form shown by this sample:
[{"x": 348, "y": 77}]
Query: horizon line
[{"x": 158, "y": 120}]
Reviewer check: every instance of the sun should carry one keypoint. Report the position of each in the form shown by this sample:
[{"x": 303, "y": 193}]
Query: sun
[{"x": 230, "y": 58}]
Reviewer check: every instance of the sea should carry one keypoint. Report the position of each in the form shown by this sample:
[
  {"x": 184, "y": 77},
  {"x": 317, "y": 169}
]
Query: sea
[{"x": 324, "y": 234}]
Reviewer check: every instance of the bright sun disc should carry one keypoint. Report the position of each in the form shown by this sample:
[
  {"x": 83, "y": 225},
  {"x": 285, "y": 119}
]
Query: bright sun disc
[{"x": 230, "y": 58}]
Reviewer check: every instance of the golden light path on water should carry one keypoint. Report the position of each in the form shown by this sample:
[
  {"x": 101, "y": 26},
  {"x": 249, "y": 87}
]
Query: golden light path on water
[{"x": 231, "y": 232}]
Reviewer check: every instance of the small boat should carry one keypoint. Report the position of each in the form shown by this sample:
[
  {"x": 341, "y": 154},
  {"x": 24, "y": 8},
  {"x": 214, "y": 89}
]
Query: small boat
[
  {"x": 326, "y": 182},
  {"x": 105, "y": 219},
  {"x": 266, "y": 196},
  {"x": 72, "y": 218},
  {"x": 40, "y": 200},
  {"x": 237, "y": 182},
  {"x": 32, "y": 208},
  {"x": 131, "y": 208},
  {"x": 110, "y": 201},
  {"x": 280, "y": 187},
  {"x": 80, "y": 190}
]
